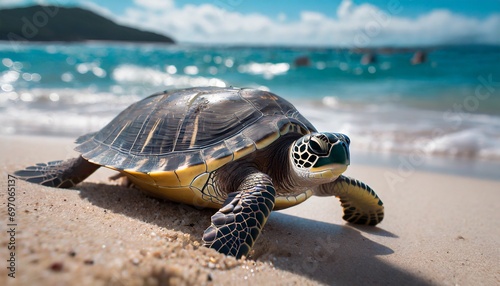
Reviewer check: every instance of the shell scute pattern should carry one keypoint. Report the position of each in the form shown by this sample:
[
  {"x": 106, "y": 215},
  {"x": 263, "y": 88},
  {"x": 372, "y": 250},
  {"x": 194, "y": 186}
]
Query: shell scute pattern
[
  {"x": 175, "y": 126},
  {"x": 175, "y": 140}
]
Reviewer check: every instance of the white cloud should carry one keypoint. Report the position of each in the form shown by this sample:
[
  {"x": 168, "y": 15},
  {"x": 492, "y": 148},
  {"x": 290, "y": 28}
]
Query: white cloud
[
  {"x": 358, "y": 25},
  {"x": 281, "y": 17},
  {"x": 344, "y": 9},
  {"x": 155, "y": 4}
]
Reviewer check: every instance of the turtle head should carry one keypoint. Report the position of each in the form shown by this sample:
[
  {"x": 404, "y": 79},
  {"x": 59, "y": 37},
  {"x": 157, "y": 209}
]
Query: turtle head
[{"x": 323, "y": 156}]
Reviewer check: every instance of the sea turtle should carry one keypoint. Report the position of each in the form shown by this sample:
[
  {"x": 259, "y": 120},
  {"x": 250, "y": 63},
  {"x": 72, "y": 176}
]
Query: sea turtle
[{"x": 245, "y": 152}]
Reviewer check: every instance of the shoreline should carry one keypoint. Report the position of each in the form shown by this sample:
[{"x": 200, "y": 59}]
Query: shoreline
[
  {"x": 474, "y": 168},
  {"x": 381, "y": 49},
  {"x": 439, "y": 229},
  {"x": 461, "y": 166}
]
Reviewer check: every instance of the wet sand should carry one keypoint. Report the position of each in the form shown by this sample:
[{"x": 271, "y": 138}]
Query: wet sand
[{"x": 438, "y": 230}]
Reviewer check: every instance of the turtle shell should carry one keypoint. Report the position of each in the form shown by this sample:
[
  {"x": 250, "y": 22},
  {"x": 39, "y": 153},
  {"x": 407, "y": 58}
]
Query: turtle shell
[{"x": 180, "y": 129}]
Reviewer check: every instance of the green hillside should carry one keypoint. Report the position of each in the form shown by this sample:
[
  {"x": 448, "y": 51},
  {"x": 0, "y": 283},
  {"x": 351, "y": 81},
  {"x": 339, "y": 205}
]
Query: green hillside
[{"x": 52, "y": 23}]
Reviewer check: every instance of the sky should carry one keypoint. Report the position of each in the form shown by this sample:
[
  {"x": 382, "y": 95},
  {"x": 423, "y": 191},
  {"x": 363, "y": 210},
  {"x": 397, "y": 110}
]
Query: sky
[{"x": 359, "y": 23}]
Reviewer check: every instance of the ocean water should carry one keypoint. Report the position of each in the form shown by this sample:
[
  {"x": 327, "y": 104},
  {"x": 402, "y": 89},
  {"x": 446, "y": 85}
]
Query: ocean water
[{"x": 447, "y": 107}]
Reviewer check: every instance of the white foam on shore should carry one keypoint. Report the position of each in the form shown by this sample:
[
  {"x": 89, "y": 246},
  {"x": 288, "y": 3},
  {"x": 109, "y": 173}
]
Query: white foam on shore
[
  {"x": 66, "y": 112},
  {"x": 405, "y": 130},
  {"x": 132, "y": 74},
  {"x": 383, "y": 129}
]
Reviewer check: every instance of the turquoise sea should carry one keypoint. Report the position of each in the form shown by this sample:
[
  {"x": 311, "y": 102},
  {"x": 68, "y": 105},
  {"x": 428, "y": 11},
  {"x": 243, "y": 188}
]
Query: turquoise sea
[{"x": 446, "y": 107}]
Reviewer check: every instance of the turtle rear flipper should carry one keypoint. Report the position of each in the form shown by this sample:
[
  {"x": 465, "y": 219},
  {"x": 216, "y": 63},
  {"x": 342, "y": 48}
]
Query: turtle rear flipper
[
  {"x": 360, "y": 203},
  {"x": 237, "y": 225},
  {"x": 59, "y": 174}
]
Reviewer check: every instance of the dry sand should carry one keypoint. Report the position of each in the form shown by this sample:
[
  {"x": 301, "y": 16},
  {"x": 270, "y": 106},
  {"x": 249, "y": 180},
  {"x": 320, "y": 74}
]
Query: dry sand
[{"x": 438, "y": 229}]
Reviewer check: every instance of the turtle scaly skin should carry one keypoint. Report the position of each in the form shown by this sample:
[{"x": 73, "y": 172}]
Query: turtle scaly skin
[
  {"x": 58, "y": 174},
  {"x": 237, "y": 225},
  {"x": 244, "y": 152}
]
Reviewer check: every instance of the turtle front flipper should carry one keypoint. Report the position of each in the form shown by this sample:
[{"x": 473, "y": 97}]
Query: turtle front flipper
[
  {"x": 59, "y": 174},
  {"x": 360, "y": 203},
  {"x": 237, "y": 225}
]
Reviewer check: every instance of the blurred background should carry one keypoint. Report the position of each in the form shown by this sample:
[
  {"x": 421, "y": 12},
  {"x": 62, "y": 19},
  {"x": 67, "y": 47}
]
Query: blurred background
[{"x": 413, "y": 83}]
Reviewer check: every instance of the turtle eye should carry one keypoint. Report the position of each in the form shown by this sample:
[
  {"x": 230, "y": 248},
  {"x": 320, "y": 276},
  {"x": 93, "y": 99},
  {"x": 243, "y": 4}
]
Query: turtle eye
[{"x": 319, "y": 145}]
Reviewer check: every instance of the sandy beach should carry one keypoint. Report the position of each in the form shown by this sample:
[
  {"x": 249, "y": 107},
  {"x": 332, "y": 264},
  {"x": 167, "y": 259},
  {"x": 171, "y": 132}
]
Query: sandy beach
[{"x": 438, "y": 230}]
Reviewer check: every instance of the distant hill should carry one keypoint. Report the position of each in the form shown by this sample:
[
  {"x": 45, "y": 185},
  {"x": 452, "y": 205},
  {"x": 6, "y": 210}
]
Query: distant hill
[{"x": 52, "y": 23}]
